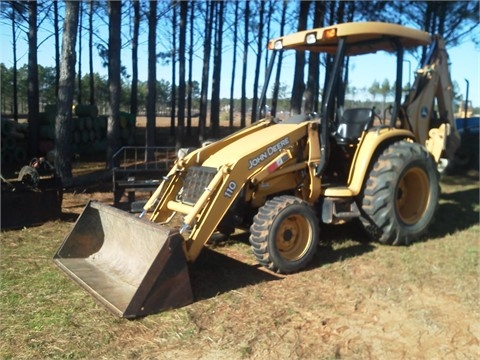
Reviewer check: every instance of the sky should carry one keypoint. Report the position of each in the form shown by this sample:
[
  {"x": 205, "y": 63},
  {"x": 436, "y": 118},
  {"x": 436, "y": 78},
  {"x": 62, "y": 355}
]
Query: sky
[{"x": 464, "y": 59}]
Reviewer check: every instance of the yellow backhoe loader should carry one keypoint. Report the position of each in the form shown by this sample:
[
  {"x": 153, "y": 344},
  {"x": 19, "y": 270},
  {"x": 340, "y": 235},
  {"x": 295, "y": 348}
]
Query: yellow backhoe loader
[{"x": 280, "y": 179}]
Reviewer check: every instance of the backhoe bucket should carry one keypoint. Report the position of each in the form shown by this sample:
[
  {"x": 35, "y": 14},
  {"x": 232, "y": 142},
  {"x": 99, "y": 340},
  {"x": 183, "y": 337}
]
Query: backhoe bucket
[{"x": 132, "y": 266}]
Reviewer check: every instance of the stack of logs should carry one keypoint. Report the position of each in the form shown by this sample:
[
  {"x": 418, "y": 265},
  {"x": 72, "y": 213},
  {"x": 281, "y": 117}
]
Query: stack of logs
[
  {"x": 88, "y": 133},
  {"x": 14, "y": 142},
  {"x": 89, "y": 130}
]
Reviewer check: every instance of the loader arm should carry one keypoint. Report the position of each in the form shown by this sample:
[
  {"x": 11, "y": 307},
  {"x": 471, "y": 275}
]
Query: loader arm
[
  {"x": 203, "y": 189},
  {"x": 433, "y": 82}
]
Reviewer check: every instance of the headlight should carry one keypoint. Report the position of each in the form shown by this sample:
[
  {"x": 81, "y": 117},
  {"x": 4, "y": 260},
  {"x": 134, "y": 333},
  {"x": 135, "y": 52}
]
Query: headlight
[{"x": 311, "y": 38}]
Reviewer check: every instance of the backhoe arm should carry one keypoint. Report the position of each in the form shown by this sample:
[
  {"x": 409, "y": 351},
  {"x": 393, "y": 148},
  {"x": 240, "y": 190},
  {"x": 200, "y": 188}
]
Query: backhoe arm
[{"x": 435, "y": 128}]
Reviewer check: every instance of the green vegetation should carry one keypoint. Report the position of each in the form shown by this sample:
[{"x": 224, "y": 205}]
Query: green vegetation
[{"x": 47, "y": 95}]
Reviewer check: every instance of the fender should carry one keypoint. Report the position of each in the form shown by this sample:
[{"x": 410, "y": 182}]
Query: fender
[{"x": 367, "y": 147}]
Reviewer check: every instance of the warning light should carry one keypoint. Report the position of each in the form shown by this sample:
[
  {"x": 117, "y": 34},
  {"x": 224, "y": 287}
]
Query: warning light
[{"x": 330, "y": 33}]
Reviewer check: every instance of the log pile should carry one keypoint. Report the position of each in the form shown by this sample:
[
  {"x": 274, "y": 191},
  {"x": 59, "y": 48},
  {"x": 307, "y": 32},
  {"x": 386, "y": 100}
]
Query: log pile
[
  {"x": 14, "y": 141},
  {"x": 88, "y": 133},
  {"x": 88, "y": 130}
]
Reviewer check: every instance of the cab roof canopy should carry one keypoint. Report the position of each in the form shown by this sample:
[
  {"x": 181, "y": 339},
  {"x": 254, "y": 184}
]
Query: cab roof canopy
[{"x": 361, "y": 38}]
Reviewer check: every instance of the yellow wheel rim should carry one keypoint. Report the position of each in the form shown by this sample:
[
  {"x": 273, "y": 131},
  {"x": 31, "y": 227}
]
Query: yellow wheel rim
[
  {"x": 293, "y": 237},
  {"x": 412, "y": 196}
]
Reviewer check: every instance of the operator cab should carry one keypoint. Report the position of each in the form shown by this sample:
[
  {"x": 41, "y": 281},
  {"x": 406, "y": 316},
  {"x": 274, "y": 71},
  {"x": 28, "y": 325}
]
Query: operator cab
[{"x": 341, "y": 130}]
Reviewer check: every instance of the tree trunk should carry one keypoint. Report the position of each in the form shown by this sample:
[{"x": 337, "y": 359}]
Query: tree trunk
[
  {"x": 312, "y": 90},
  {"x": 152, "y": 79},
  {"x": 268, "y": 35},
  {"x": 63, "y": 120},
  {"x": 190, "y": 69},
  {"x": 260, "y": 46},
  {"x": 114, "y": 84},
  {"x": 298, "y": 84},
  {"x": 91, "y": 82},
  {"x": 56, "y": 30},
  {"x": 441, "y": 22},
  {"x": 14, "y": 79},
  {"x": 243, "y": 110},
  {"x": 79, "y": 74},
  {"x": 181, "y": 81},
  {"x": 276, "y": 86},
  {"x": 136, "y": 29},
  {"x": 205, "y": 71},
  {"x": 217, "y": 68},
  {"x": 343, "y": 73},
  {"x": 329, "y": 59},
  {"x": 341, "y": 11},
  {"x": 33, "y": 95},
  {"x": 173, "y": 96},
  {"x": 234, "y": 65}
]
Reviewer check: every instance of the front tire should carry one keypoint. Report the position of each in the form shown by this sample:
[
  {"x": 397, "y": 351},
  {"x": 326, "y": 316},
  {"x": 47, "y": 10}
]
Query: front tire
[
  {"x": 401, "y": 194},
  {"x": 284, "y": 234}
]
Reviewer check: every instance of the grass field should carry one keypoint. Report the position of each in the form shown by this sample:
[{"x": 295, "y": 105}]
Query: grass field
[{"x": 358, "y": 300}]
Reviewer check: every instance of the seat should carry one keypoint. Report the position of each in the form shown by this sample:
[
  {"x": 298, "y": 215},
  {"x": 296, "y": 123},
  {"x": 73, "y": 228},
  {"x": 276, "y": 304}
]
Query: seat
[{"x": 351, "y": 125}]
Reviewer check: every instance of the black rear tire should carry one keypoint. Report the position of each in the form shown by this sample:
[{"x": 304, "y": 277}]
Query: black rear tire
[
  {"x": 401, "y": 194},
  {"x": 284, "y": 234}
]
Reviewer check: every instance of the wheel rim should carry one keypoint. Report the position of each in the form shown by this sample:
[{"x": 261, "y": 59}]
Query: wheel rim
[
  {"x": 293, "y": 237},
  {"x": 412, "y": 196}
]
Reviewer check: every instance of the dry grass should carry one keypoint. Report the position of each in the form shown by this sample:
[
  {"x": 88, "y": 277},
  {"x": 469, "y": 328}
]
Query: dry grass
[{"x": 357, "y": 300}]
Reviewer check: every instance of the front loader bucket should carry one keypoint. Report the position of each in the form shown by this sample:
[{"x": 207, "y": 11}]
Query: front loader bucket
[{"x": 132, "y": 266}]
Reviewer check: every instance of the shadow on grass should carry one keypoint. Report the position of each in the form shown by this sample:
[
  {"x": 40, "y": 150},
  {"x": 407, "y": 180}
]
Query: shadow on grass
[
  {"x": 457, "y": 211},
  {"x": 214, "y": 273},
  {"x": 340, "y": 242}
]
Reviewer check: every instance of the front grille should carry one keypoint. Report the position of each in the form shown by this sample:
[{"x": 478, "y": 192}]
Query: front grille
[{"x": 196, "y": 181}]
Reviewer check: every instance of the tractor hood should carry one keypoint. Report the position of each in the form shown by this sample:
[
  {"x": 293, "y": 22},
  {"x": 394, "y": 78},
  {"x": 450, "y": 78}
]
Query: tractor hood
[{"x": 258, "y": 147}]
